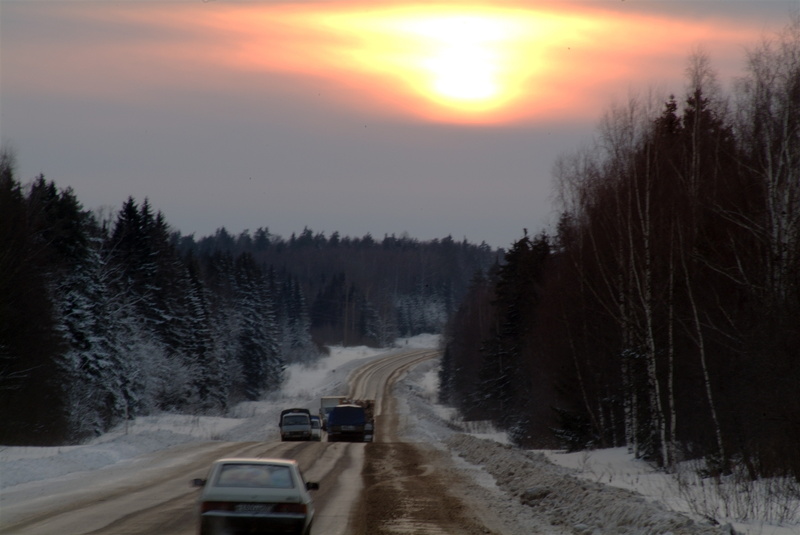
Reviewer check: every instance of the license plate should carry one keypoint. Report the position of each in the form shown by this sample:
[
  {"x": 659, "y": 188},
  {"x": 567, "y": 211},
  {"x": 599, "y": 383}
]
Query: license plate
[
  {"x": 255, "y": 508},
  {"x": 349, "y": 428}
]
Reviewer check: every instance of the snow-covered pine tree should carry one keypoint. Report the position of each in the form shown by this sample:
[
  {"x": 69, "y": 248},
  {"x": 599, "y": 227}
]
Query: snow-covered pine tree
[{"x": 258, "y": 342}]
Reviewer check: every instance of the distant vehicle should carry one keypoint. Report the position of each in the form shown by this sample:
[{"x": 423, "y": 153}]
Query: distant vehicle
[
  {"x": 295, "y": 424},
  {"x": 326, "y": 404},
  {"x": 352, "y": 422},
  {"x": 316, "y": 428},
  {"x": 254, "y": 496},
  {"x": 295, "y": 409}
]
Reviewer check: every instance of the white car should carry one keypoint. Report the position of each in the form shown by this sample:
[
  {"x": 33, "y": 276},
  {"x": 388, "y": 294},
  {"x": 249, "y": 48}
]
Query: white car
[
  {"x": 254, "y": 496},
  {"x": 295, "y": 424},
  {"x": 316, "y": 428}
]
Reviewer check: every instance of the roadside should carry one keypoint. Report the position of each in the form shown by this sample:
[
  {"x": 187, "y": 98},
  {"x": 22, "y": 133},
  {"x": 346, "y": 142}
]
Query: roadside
[
  {"x": 517, "y": 492},
  {"x": 412, "y": 483}
]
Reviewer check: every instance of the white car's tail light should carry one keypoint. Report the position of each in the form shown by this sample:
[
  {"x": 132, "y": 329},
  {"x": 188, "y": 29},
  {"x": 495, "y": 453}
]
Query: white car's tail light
[
  {"x": 216, "y": 506},
  {"x": 291, "y": 508}
]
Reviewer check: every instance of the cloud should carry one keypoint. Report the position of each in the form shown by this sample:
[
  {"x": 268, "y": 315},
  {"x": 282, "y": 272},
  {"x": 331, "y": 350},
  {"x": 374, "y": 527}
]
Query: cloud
[{"x": 435, "y": 62}]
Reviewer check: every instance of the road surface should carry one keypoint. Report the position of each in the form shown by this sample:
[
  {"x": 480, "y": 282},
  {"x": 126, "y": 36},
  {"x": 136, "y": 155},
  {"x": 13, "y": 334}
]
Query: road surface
[{"x": 388, "y": 486}]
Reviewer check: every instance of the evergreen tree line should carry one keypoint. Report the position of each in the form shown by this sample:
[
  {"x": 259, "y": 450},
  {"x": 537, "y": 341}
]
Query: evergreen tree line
[
  {"x": 362, "y": 291},
  {"x": 663, "y": 313},
  {"x": 103, "y": 321},
  {"x": 106, "y": 317}
]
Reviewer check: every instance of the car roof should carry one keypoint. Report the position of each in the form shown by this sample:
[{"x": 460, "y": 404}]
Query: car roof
[{"x": 256, "y": 460}]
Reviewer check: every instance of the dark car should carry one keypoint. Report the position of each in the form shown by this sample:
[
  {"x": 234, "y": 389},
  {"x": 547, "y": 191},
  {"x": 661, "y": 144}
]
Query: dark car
[{"x": 349, "y": 423}]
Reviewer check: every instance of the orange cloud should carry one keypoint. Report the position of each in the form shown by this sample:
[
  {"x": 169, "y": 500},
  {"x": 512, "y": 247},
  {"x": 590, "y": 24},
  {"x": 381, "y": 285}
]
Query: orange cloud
[
  {"x": 480, "y": 63},
  {"x": 464, "y": 63}
]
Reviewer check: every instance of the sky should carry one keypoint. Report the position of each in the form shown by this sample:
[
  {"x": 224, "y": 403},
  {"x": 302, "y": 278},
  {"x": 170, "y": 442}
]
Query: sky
[{"x": 360, "y": 117}]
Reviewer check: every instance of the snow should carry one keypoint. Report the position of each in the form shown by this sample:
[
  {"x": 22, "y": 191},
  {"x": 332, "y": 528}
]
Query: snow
[
  {"x": 606, "y": 488},
  {"x": 616, "y": 467}
]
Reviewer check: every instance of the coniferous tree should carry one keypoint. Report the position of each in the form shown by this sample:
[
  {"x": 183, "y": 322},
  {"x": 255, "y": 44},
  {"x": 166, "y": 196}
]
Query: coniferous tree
[
  {"x": 462, "y": 360},
  {"x": 505, "y": 387},
  {"x": 262, "y": 365},
  {"x": 29, "y": 343},
  {"x": 135, "y": 318},
  {"x": 94, "y": 389}
]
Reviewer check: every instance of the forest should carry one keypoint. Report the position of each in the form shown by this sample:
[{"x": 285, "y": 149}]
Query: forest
[
  {"x": 663, "y": 312},
  {"x": 105, "y": 317}
]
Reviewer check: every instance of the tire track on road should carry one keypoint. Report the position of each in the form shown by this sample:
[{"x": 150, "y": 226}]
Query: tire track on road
[
  {"x": 405, "y": 490},
  {"x": 90, "y": 511}
]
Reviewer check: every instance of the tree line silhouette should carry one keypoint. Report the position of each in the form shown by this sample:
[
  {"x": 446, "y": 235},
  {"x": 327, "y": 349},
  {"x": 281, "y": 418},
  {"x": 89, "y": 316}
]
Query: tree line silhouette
[
  {"x": 663, "y": 313},
  {"x": 107, "y": 317}
]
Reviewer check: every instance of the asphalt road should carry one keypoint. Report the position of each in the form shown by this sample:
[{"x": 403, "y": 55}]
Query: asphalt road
[{"x": 364, "y": 488}]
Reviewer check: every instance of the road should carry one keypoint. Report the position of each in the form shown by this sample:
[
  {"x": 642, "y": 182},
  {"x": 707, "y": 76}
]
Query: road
[{"x": 384, "y": 487}]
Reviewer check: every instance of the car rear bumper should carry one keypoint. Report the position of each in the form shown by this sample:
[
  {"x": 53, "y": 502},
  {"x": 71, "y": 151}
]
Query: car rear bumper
[
  {"x": 224, "y": 523},
  {"x": 350, "y": 437},
  {"x": 296, "y": 436}
]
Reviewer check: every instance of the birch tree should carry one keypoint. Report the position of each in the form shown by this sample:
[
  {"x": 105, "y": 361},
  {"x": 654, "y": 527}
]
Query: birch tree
[{"x": 769, "y": 128}]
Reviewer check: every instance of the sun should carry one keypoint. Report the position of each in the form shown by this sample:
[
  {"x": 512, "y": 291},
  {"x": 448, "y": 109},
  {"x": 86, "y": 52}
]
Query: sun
[
  {"x": 439, "y": 61},
  {"x": 466, "y": 61},
  {"x": 463, "y": 65},
  {"x": 442, "y": 61}
]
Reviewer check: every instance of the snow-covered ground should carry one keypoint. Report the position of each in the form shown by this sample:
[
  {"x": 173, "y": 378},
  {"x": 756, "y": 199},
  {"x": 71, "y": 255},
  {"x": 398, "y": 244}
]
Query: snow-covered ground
[
  {"x": 607, "y": 488},
  {"x": 478, "y": 450}
]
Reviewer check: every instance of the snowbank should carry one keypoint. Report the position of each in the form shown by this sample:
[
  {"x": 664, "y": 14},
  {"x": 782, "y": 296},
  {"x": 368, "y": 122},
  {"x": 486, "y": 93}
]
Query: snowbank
[
  {"x": 589, "y": 493},
  {"x": 586, "y": 507}
]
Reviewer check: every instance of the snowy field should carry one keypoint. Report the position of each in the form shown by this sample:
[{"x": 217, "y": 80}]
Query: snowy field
[{"x": 476, "y": 449}]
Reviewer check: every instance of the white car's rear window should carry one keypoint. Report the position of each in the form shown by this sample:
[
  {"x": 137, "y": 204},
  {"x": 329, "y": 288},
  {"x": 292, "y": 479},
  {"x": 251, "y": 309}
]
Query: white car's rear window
[{"x": 254, "y": 476}]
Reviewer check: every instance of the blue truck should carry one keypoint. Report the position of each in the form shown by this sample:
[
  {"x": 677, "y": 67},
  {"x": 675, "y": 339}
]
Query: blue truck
[{"x": 351, "y": 422}]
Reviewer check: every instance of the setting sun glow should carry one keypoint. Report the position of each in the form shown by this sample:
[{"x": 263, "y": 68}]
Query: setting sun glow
[
  {"x": 461, "y": 62},
  {"x": 445, "y": 62}
]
